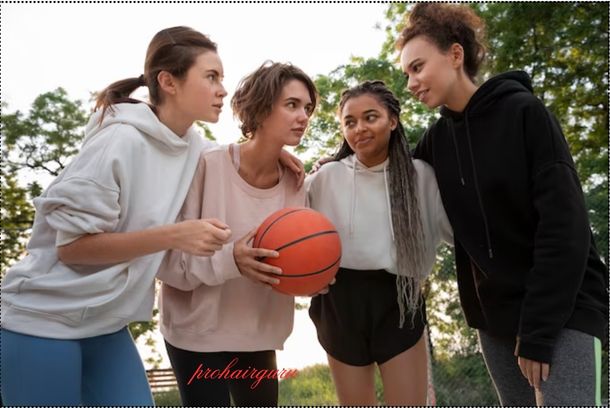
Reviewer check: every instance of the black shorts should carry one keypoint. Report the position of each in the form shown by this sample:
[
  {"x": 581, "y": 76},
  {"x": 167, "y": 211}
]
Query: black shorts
[{"x": 358, "y": 319}]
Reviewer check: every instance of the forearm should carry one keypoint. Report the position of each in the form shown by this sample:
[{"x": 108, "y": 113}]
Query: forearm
[
  {"x": 116, "y": 247},
  {"x": 187, "y": 272},
  {"x": 561, "y": 248}
]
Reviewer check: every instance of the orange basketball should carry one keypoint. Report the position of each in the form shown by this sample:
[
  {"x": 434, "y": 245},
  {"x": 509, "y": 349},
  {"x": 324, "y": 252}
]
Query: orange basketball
[{"x": 309, "y": 248}]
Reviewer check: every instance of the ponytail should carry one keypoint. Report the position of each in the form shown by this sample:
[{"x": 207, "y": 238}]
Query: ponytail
[
  {"x": 118, "y": 92},
  {"x": 173, "y": 50}
]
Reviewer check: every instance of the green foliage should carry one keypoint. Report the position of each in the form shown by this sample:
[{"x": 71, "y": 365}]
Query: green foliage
[
  {"x": 205, "y": 130},
  {"x": 448, "y": 329},
  {"x": 597, "y": 203},
  {"x": 43, "y": 140},
  {"x": 312, "y": 386},
  {"x": 170, "y": 398},
  {"x": 564, "y": 48},
  {"x": 146, "y": 331},
  {"x": 395, "y": 21},
  {"x": 463, "y": 380},
  {"x": 17, "y": 214},
  {"x": 48, "y": 136}
]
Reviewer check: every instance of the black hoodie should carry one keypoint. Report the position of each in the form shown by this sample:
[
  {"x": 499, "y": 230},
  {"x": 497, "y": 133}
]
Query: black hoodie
[{"x": 526, "y": 262}]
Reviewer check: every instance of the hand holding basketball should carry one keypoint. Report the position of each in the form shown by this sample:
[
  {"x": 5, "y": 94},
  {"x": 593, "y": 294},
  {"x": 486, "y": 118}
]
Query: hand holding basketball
[
  {"x": 247, "y": 261},
  {"x": 200, "y": 237},
  {"x": 309, "y": 250}
]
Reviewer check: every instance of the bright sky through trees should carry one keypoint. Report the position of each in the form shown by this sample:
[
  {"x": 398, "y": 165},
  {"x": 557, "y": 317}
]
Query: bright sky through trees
[{"x": 84, "y": 47}]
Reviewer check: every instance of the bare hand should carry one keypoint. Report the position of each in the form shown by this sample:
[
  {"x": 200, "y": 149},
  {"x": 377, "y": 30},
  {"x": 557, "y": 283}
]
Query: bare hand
[
  {"x": 293, "y": 164},
  {"x": 247, "y": 261},
  {"x": 533, "y": 371},
  {"x": 200, "y": 237},
  {"x": 319, "y": 163}
]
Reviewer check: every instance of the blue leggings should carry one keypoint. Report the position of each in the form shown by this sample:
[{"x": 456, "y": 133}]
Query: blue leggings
[{"x": 101, "y": 370}]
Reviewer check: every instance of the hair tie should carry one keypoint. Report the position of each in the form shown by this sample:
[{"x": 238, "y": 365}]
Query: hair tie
[{"x": 142, "y": 80}]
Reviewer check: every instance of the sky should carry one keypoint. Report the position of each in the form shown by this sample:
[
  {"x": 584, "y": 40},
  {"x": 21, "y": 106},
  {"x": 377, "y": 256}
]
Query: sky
[{"x": 85, "y": 47}]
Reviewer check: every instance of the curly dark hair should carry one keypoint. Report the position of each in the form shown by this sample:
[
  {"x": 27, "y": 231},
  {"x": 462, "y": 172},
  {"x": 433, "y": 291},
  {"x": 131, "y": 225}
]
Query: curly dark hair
[{"x": 447, "y": 24}]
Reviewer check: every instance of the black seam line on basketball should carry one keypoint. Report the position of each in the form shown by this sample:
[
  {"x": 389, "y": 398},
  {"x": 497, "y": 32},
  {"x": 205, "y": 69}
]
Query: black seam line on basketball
[
  {"x": 262, "y": 258},
  {"x": 276, "y": 220},
  {"x": 312, "y": 273},
  {"x": 305, "y": 238}
]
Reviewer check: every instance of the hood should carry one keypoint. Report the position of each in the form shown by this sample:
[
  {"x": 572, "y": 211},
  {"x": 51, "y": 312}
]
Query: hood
[
  {"x": 356, "y": 166},
  {"x": 353, "y": 163},
  {"x": 481, "y": 102},
  {"x": 141, "y": 117},
  {"x": 491, "y": 91}
]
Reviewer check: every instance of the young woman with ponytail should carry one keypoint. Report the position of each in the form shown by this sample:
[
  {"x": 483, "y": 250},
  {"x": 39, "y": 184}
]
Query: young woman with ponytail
[
  {"x": 388, "y": 212},
  {"x": 100, "y": 232}
]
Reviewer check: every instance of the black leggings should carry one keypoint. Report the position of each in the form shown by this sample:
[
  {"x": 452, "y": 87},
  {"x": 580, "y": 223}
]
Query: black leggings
[{"x": 200, "y": 385}]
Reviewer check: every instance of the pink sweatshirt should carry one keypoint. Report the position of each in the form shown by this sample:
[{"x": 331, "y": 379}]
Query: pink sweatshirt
[{"x": 206, "y": 305}]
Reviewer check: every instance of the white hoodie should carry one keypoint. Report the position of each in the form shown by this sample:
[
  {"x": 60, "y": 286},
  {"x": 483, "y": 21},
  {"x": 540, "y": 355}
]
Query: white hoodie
[
  {"x": 356, "y": 199},
  {"x": 132, "y": 173}
]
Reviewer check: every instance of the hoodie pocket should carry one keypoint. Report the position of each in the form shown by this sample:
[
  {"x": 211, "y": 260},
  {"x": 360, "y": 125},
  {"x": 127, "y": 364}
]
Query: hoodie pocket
[
  {"x": 116, "y": 302},
  {"x": 70, "y": 318}
]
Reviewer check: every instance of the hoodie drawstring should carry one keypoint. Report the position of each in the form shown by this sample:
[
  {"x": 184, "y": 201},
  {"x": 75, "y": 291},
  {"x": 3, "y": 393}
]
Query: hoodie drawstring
[
  {"x": 353, "y": 200},
  {"x": 353, "y": 203},
  {"x": 476, "y": 187},
  {"x": 387, "y": 197},
  {"x": 457, "y": 154}
]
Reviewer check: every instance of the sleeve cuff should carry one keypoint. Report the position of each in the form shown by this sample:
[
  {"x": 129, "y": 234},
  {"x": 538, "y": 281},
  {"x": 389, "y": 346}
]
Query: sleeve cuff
[
  {"x": 533, "y": 351},
  {"x": 223, "y": 264},
  {"x": 64, "y": 238}
]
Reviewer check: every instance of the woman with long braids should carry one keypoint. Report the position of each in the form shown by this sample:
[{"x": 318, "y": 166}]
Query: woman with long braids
[{"x": 390, "y": 218}]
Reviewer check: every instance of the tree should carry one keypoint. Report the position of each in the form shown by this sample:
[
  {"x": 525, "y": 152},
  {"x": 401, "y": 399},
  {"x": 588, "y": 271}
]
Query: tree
[
  {"x": 17, "y": 214},
  {"x": 41, "y": 142},
  {"x": 46, "y": 138},
  {"x": 564, "y": 48}
]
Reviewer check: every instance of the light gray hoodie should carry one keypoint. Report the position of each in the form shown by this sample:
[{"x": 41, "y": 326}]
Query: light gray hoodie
[
  {"x": 132, "y": 173},
  {"x": 356, "y": 199}
]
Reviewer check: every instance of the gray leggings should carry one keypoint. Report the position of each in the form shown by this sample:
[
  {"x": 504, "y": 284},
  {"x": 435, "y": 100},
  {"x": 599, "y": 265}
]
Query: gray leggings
[{"x": 573, "y": 377}]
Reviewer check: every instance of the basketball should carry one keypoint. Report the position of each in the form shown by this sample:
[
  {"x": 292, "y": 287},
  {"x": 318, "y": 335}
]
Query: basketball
[{"x": 309, "y": 248}]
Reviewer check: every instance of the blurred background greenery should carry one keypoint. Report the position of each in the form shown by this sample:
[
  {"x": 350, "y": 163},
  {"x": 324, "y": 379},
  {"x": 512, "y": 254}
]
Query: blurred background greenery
[{"x": 562, "y": 46}]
